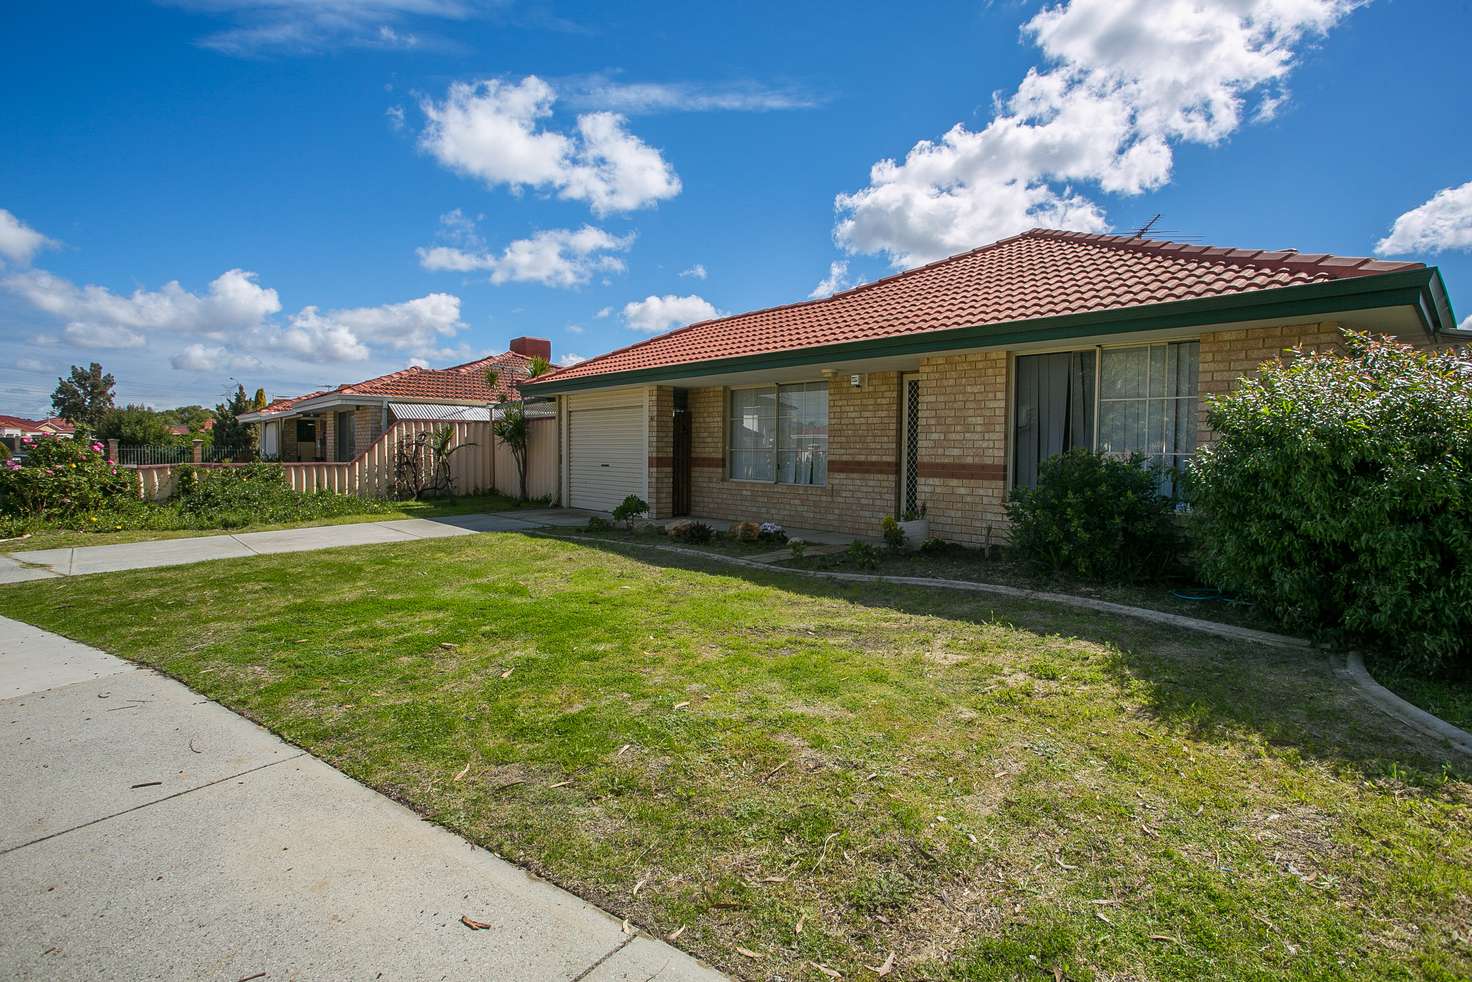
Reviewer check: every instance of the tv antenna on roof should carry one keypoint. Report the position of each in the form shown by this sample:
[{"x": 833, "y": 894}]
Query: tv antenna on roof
[{"x": 1144, "y": 230}]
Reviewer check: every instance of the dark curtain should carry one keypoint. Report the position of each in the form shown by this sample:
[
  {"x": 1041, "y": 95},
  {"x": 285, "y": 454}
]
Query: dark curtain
[{"x": 1054, "y": 409}]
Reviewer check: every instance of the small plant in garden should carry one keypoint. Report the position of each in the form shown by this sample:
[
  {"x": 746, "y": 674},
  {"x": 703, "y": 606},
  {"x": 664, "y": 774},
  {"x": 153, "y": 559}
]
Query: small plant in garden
[
  {"x": 696, "y": 533},
  {"x": 913, "y": 514},
  {"x": 745, "y": 532},
  {"x": 599, "y": 524},
  {"x": 771, "y": 532},
  {"x": 797, "y": 547},
  {"x": 894, "y": 536},
  {"x": 933, "y": 546},
  {"x": 1338, "y": 496},
  {"x": 630, "y": 509},
  {"x": 1097, "y": 517},
  {"x": 863, "y": 555}
]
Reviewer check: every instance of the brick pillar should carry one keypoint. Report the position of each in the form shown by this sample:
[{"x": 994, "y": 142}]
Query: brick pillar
[
  {"x": 197, "y": 451},
  {"x": 112, "y": 451},
  {"x": 661, "y": 450}
]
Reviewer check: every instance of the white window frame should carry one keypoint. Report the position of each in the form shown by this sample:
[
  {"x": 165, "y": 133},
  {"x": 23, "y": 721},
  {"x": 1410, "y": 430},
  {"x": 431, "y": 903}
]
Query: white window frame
[
  {"x": 1098, "y": 350},
  {"x": 775, "y": 387}
]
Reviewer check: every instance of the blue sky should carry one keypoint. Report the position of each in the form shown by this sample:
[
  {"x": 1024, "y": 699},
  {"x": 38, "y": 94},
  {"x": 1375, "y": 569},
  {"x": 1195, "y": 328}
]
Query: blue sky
[{"x": 299, "y": 194}]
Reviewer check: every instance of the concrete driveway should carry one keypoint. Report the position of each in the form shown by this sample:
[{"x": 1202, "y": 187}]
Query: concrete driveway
[{"x": 148, "y": 833}]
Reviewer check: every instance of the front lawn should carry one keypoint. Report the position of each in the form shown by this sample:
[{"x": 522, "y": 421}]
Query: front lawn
[
  {"x": 372, "y": 510},
  {"x": 794, "y": 773}
]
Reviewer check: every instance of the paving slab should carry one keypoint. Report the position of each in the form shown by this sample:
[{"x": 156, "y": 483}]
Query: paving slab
[
  {"x": 485, "y": 523},
  {"x": 12, "y": 571},
  {"x": 562, "y": 517},
  {"x": 320, "y": 537},
  {"x": 92, "y": 749},
  {"x": 427, "y": 528},
  {"x": 137, "y": 555},
  {"x": 645, "y": 959},
  {"x": 32, "y": 660}
]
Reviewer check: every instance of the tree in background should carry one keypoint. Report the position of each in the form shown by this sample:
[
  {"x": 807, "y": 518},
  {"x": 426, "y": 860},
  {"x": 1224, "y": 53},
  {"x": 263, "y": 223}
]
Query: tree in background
[
  {"x": 192, "y": 417},
  {"x": 84, "y": 397},
  {"x": 511, "y": 429},
  {"x": 259, "y": 400},
  {"x": 229, "y": 430},
  {"x": 135, "y": 426}
]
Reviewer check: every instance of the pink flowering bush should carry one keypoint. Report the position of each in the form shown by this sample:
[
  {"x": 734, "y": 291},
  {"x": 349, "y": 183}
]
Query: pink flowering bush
[{"x": 60, "y": 478}]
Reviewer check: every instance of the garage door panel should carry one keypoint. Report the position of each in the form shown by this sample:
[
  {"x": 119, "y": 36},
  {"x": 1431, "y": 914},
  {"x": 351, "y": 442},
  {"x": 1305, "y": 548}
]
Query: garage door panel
[{"x": 606, "y": 455}]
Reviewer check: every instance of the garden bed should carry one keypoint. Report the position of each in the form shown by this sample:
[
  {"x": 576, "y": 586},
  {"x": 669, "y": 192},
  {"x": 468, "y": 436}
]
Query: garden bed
[{"x": 794, "y": 772}]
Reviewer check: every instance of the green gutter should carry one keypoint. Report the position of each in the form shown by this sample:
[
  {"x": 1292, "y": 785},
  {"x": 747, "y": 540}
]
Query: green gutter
[{"x": 1421, "y": 289}]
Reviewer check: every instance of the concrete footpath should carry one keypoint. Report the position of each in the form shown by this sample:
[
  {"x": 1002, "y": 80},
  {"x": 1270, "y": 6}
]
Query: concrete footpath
[
  {"x": 148, "y": 833},
  {"x": 21, "y": 565}
]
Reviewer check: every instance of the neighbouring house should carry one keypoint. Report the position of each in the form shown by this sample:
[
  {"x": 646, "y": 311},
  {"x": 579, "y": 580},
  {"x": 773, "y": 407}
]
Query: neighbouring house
[
  {"x": 338, "y": 424},
  {"x": 179, "y": 429},
  {"x": 945, "y": 386},
  {"x": 13, "y": 428}
]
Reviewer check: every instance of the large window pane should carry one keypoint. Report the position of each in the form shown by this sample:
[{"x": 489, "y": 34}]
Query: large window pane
[
  {"x": 1054, "y": 411},
  {"x": 780, "y": 434},
  {"x": 753, "y": 434},
  {"x": 1147, "y": 403}
]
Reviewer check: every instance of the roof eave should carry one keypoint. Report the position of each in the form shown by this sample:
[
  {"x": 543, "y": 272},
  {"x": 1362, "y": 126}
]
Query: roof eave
[{"x": 1421, "y": 289}]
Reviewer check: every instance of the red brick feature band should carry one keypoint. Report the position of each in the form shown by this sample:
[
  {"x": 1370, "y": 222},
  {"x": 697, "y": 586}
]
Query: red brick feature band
[
  {"x": 963, "y": 472},
  {"x": 660, "y": 461},
  {"x": 710, "y": 463},
  {"x": 862, "y": 467}
]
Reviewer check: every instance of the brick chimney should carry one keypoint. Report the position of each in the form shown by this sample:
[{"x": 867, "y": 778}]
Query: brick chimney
[{"x": 532, "y": 347}]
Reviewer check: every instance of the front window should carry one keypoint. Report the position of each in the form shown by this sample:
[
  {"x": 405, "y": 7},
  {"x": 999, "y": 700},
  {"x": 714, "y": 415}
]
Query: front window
[
  {"x": 780, "y": 433},
  {"x": 1139, "y": 399}
]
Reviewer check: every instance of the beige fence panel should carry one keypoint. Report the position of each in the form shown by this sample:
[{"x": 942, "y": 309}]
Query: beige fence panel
[{"x": 481, "y": 464}]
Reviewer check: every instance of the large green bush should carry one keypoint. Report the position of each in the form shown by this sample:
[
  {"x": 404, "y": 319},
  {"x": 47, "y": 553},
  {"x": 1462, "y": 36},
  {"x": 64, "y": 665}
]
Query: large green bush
[
  {"x": 230, "y": 497},
  {"x": 61, "y": 478},
  {"x": 1339, "y": 497},
  {"x": 1095, "y": 517}
]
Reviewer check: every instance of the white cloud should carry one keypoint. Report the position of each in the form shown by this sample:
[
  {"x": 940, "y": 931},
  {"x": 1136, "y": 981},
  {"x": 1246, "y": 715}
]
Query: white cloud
[
  {"x": 1444, "y": 222},
  {"x": 200, "y": 358},
  {"x": 395, "y": 116},
  {"x": 415, "y": 326},
  {"x": 837, "y": 279},
  {"x": 308, "y": 26},
  {"x": 18, "y": 241},
  {"x": 601, "y": 92},
  {"x": 1123, "y": 81},
  {"x": 30, "y": 365},
  {"x": 570, "y": 359},
  {"x": 696, "y": 272},
  {"x": 574, "y": 329},
  {"x": 492, "y": 130},
  {"x": 603, "y": 312},
  {"x": 554, "y": 257},
  {"x": 96, "y": 317},
  {"x": 654, "y": 314}
]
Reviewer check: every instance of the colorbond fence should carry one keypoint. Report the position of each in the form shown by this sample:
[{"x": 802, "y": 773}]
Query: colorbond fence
[{"x": 480, "y": 465}]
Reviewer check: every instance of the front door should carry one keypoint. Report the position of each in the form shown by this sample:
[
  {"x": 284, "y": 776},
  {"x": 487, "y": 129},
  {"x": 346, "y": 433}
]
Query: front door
[
  {"x": 345, "y": 436},
  {"x": 909, "y": 444},
  {"x": 680, "y": 461}
]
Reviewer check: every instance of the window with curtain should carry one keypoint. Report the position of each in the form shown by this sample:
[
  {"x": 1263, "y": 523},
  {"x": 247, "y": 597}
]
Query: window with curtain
[
  {"x": 779, "y": 434},
  {"x": 1146, "y": 402}
]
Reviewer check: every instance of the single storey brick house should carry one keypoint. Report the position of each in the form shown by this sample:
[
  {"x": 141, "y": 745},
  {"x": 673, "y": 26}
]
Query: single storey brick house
[
  {"x": 338, "y": 424},
  {"x": 946, "y": 385}
]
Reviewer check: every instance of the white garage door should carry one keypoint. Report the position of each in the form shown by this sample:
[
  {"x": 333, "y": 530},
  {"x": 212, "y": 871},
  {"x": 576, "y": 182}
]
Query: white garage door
[{"x": 606, "y": 456}]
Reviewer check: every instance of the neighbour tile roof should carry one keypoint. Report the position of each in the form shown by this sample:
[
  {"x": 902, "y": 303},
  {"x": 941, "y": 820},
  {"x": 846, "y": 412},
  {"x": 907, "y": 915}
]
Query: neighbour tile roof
[
  {"x": 19, "y": 422},
  {"x": 458, "y": 384},
  {"x": 1040, "y": 273},
  {"x": 34, "y": 425}
]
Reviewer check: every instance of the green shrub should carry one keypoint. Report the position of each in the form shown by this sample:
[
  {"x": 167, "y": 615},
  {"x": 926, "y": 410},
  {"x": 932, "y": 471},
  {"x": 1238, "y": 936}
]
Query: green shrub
[
  {"x": 61, "y": 479},
  {"x": 629, "y": 509},
  {"x": 894, "y": 536},
  {"x": 599, "y": 524},
  {"x": 862, "y": 555},
  {"x": 798, "y": 547},
  {"x": 1338, "y": 496},
  {"x": 248, "y": 494},
  {"x": 934, "y": 547},
  {"x": 1096, "y": 517}
]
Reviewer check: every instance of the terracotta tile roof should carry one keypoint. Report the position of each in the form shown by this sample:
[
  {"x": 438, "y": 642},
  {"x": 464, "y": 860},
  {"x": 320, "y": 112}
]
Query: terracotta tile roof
[
  {"x": 1040, "y": 273},
  {"x": 34, "y": 425},
  {"x": 18, "y": 422},
  {"x": 458, "y": 384}
]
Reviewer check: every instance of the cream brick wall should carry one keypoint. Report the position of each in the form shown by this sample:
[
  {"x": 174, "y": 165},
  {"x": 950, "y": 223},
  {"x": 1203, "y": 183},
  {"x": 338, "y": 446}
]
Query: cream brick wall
[
  {"x": 963, "y": 445},
  {"x": 862, "y": 453},
  {"x": 1229, "y": 356}
]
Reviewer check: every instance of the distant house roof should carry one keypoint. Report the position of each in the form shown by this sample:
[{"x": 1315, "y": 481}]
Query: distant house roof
[
  {"x": 1042, "y": 273},
  {"x": 457, "y": 385},
  {"x": 51, "y": 424}
]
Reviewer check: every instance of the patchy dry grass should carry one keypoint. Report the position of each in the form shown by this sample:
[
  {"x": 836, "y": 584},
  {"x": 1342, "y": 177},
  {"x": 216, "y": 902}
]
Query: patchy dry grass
[{"x": 824, "y": 773}]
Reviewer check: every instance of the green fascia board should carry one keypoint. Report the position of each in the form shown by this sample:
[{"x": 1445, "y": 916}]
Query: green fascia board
[{"x": 1421, "y": 289}]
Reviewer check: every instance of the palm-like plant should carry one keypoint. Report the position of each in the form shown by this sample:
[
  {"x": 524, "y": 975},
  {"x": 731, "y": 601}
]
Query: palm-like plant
[{"x": 511, "y": 429}]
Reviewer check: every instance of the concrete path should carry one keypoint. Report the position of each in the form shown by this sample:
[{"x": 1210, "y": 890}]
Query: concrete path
[
  {"x": 20, "y": 566},
  {"x": 148, "y": 833}
]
